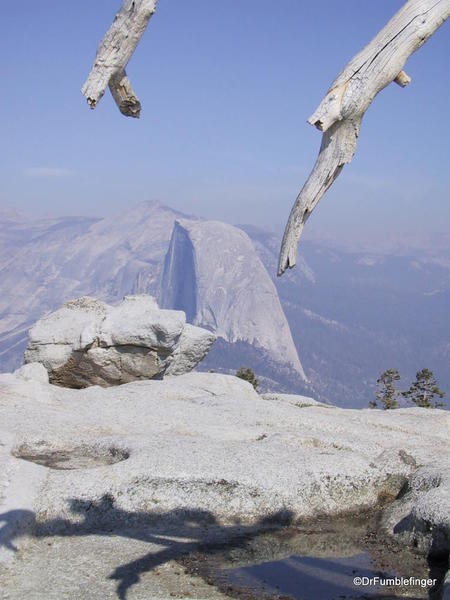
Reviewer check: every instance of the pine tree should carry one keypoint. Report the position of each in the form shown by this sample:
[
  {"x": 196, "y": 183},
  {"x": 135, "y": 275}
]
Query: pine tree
[
  {"x": 423, "y": 391},
  {"x": 248, "y": 375},
  {"x": 386, "y": 393}
]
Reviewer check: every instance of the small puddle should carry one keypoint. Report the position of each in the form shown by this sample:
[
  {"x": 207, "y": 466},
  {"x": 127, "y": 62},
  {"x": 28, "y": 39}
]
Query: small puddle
[
  {"x": 307, "y": 577},
  {"x": 315, "y": 561}
]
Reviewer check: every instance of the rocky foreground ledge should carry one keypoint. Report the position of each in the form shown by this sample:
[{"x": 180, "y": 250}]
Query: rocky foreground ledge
[{"x": 204, "y": 448}]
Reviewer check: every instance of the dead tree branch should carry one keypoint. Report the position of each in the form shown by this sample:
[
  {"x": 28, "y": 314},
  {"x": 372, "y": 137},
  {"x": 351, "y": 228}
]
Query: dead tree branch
[
  {"x": 340, "y": 113},
  {"x": 113, "y": 54}
]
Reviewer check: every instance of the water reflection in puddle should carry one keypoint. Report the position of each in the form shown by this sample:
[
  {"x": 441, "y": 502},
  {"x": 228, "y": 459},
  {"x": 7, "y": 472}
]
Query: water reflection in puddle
[
  {"x": 314, "y": 561},
  {"x": 307, "y": 577}
]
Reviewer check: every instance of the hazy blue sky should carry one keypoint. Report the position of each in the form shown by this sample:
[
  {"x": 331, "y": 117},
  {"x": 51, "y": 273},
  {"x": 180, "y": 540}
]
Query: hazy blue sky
[{"x": 226, "y": 89}]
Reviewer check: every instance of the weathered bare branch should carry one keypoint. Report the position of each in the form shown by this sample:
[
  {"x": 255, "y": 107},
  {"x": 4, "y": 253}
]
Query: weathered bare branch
[
  {"x": 402, "y": 79},
  {"x": 338, "y": 146},
  {"x": 123, "y": 94},
  {"x": 340, "y": 113},
  {"x": 113, "y": 54}
]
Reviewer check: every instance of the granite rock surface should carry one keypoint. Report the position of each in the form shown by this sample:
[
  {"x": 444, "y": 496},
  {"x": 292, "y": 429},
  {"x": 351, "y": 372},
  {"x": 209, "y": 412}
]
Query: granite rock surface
[{"x": 88, "y": 342}]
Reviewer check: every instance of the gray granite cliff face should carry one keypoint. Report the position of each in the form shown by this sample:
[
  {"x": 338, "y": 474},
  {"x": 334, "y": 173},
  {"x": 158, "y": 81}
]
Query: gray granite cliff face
[
  {"x": 210, "y": 270},
  {"x": 213, "y": 273},
  {"x": 179, "y": 279}
]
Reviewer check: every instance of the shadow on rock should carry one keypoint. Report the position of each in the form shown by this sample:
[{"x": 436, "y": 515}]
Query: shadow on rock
[
  {"x": 191, "y": 537},
  {"x": 200, "y": 528},
  {"x": 438, "y": 554}
]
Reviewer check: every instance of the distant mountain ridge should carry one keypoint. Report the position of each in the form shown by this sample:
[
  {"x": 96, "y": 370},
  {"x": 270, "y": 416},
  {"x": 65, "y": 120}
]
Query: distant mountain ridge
[
  {"x": 206, "y": 268},
  {"x": 358, "y": 313},
  {"x": 350, "y": 314}
]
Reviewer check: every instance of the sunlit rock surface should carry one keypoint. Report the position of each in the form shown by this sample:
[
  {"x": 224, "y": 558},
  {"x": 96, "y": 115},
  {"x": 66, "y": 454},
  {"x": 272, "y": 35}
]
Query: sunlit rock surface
[
  {"x": 117, "y": 481},
  {"x": 210, "y": 441},
  {"x": 88, "y": 342}
]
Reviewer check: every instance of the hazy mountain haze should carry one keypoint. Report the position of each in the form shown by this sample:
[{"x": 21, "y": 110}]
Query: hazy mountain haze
[
  {"x": 206, "y": 268},
  {"x": 345, "y": 314}
]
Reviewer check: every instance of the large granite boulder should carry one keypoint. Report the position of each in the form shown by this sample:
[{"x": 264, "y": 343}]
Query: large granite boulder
[{"x": 87, "y": 342}]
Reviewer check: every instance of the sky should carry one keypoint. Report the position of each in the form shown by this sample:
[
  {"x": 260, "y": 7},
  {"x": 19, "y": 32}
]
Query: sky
[{"x": 226, "y": 89}]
